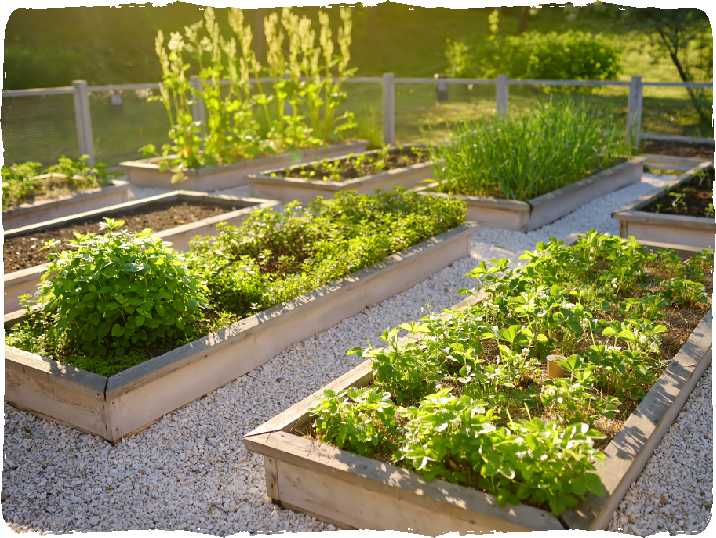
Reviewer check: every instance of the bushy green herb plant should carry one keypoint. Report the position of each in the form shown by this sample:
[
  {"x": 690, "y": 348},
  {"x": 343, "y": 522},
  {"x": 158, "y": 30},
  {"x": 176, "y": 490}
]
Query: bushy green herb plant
[
  {"x": 118, "y": 290},
  {"x": 273, "y": 257},
  {"x": 528, "y": 154},
  {"x": 473, "y": 402}
]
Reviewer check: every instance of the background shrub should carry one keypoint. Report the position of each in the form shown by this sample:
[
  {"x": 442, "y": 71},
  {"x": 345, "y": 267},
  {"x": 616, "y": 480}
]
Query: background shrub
[{"x": 570, "y": 55}]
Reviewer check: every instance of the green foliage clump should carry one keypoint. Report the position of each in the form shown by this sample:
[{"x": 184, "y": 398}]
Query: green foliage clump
[
  {"x": 20, "y": 182},
  {"x": 120, "y": 298},
  {"x": 117, "y": 291},
  {"x": 569, "y": 55},
  {"x": 273, "y": 257},
  {"x": 528, "y": 154},
  {"x": 467, "y": 397}
]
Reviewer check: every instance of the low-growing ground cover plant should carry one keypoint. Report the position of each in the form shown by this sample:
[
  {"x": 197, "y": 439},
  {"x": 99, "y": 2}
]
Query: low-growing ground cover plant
[
  {"x": 122, "y": 298},
  {"x": 359, "y": 165},
  {"x": 528, "y": 154},
  {"x": 694, "y": 199},
  {"x": 20, "y": 182},
  {"x": 467, "y": 398}
]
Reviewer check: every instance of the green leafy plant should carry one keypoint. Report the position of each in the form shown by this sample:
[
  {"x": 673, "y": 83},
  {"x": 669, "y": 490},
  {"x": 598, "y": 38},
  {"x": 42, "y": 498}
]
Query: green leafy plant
[
  {"x": 118, "y": 290},
  {"x": 275, "y": 256},
  {"x": 358, "y": 165},
  {"x": 23, "y": 182},
  {"x": 473, "y": 403}
]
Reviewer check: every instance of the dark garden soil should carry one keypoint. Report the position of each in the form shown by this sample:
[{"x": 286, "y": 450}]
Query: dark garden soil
[
  {"x": 694, "y": 199},
  {"x": 356, "y": 167},
  {"x": 24, "y": 251},
  {"x": 677, "y": 149}
]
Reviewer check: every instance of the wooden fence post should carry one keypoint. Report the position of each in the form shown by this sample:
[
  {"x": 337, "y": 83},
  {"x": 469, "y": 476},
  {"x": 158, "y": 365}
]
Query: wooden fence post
[
  {"x": 83, "y": 120},
  {"x": 198, "y": 109},
  {"x": 503, "y": 93},
  {"x": 634, "y": 114},
  {"x": 389, "y": 108}
]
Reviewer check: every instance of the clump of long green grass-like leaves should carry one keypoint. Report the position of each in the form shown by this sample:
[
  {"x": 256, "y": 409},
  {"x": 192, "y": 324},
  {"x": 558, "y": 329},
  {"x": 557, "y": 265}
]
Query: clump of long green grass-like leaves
[{"x": 528, "y": 154}]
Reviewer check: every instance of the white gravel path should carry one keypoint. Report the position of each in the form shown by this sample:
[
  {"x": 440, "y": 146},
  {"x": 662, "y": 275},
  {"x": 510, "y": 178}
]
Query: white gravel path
[{"x": 190, "y": 470}]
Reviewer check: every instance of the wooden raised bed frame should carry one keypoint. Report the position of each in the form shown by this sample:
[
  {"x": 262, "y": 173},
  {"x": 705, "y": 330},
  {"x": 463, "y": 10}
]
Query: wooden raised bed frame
[
  {"x": 698, "y": 232},
  {"x": 131, "y": 400},
  {"x": 64, "y": 206},
  {"x": 27, "y": 280},
  {"x": 353, "y": 491},
  {"x": 286, "y": 189},
  {"x": 146, "y": 172},
  {"x": 526, "y": 216}
]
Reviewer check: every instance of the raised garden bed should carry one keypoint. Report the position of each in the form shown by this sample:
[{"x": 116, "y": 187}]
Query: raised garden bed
[
  {"x": 678, "y": 213},
  {"x": 379, "y": 169},
  {"x": 118, "y": 405},
  {"x": 525, "y": 216},
  {"x": 353, "y": 491},
  {"x": 147, "y": 173},
  {"x": 65, "y": 204},
  {"x": 176, "y": 217},
  {"x": 667, "y": 148}
]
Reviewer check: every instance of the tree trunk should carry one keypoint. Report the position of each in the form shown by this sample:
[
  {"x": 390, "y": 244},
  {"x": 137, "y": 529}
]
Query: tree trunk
[
  {"x": 524, "y": 15},
  {"x": 370, "y": 25},
  {"x": 684, "y": 76}
]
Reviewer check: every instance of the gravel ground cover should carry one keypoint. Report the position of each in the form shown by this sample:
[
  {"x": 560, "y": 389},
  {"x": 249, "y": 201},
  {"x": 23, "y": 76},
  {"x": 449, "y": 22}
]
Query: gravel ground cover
[{"x": 190, "y": 469}]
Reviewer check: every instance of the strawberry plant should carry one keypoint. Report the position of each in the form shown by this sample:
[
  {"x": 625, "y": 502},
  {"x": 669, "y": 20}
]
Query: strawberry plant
[{"x": 469, "y": 397}]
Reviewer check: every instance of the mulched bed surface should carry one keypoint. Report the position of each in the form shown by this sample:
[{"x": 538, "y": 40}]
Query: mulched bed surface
[
  {"x": 697, "y": 197},
  {"x": 24, "y": 251},
  {"x": 395, "y": 159},
  {"x": 663, "y": 147}
]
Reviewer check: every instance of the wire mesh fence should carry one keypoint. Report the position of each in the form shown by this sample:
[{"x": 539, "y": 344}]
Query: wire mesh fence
[
  {"x": 44, "y": 127},
  {"x": 123, "y": 122},
  {"x": 39, "y": 128},
  {"x": 675, "y": 111},
  {"x": 423, "y": 112}
]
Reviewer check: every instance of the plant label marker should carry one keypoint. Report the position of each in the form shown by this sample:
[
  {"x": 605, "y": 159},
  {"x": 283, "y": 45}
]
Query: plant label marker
[{"x": 554, "y": 370}]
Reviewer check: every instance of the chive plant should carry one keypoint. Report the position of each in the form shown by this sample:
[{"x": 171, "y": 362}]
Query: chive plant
[{"x": 531, "y": 153}]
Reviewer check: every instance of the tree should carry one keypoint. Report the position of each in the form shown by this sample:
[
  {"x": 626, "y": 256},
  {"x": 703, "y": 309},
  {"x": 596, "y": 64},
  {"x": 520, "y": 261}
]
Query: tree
[{"x": 681, "y": 33}]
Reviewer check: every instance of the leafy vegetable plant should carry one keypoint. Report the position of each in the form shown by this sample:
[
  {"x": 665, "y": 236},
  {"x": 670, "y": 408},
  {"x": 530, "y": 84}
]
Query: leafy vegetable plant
[
  {"x": 21, "y": 182},
  {"x": 467, "y": 398},
  {"x": 359, "y": 165}
]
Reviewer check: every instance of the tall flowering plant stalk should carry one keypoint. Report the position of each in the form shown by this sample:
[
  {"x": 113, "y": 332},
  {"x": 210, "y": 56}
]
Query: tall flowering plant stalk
[{"x": 309, "y": 79}]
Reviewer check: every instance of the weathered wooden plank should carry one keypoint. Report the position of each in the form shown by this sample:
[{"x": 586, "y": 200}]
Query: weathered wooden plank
[
  {"x": 365, "y": 480},
  {"x": 146, "y": 172},
  {"x": 71, "y": 204}
]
